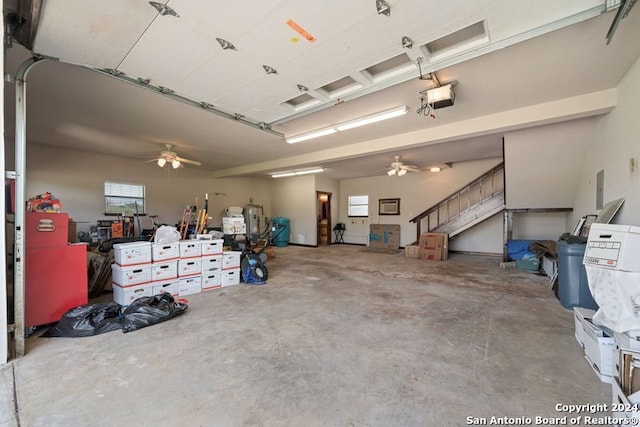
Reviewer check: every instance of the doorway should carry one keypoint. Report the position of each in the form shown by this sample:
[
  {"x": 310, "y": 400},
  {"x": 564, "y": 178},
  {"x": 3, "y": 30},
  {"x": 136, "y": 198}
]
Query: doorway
[{"x": 323, "y": 212}]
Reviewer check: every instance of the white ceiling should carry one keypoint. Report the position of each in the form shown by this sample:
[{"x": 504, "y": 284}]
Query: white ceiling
[{"x": 503, "y": 68}]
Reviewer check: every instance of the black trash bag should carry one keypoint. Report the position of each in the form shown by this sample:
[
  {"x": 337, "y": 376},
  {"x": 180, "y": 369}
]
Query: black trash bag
[
  {"x": 147, "y": 311},
  {"x": 87, "y": 320}
]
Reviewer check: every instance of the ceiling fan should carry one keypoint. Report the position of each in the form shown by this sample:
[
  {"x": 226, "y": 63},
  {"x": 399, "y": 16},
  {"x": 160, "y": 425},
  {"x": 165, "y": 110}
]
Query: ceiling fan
[
  {"x": 398, "y": 168},
  {"x": 168, "y": 157}
]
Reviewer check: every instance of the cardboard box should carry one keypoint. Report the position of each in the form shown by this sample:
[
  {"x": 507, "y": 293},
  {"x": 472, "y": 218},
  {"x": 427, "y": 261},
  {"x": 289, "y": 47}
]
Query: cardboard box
[
  {"x": 190, "y": 248},
  {"x": 232, "y": 220},
  {"x": 170, "y": 286},
  {"x": 231, "y": 277},
  {"x": 598, "y": 346},
  {"x": 230, "y": 259},
  {"x": 126, "y": 295},
  {"x": 411, "y": 251},
  {"x": 234, "y": 228},
  {"x": 165, "y": 251},
  {"x": 164, "y": 270},
  {"x": 211, "y": 281},
  {"x": 433, "y": 246},
  {"x": 212, "y": 247},
  {"x": 613, "y": 246},
  {"x": 211, "y": 263},
  {"x": 189, "y": 267},
  {"x": 189, "y": 285},
  {"x": 384, "y": 236},
  {"x": 620, "y": 401},
  {"x": 124, "y": 276},
  {"x": 134, "y": 253}
]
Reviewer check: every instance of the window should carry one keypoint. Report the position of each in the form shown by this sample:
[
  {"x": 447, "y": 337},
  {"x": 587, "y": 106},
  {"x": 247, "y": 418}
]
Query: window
[
  {"x": 358, "y": 206},
  {"x": 123, "y": 198}
]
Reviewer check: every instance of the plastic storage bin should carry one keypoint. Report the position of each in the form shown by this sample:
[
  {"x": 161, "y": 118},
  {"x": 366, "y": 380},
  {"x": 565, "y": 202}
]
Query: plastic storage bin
[{"x": 573, "y": 286}]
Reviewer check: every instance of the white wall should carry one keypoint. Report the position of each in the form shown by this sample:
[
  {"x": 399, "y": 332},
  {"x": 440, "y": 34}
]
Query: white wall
[
  {"x": 295, "y": 198},
  {"x": 77, "y": 179},
  {"x": 542, "y": 170},
  {"x": 417, "y": 192},
  {"x": 485, "y": 237},
  {"x": 617, "y": 141}
]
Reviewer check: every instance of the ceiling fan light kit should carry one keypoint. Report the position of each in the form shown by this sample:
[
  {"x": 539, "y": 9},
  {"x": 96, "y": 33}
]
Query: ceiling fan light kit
[
  {"x": 168, "y": 157},
  {"x": 400, "y": 169}
]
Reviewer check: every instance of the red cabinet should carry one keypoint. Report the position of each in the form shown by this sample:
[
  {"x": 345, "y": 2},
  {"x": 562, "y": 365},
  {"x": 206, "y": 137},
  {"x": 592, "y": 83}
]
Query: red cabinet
[{"x": 55, "y": 273}]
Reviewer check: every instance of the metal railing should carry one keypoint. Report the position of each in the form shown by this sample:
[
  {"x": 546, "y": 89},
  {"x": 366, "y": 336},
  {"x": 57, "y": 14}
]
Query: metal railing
[{"x": 482, "y": 189}]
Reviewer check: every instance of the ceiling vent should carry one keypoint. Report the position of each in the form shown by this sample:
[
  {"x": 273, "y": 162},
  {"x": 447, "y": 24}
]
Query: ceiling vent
[{"x": 458, "y": 41}]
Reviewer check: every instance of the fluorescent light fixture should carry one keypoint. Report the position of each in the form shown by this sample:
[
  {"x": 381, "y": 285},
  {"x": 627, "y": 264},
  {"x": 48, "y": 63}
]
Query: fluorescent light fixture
[
  {"x": 175, "y": 164},
  {"x": 440, "y": 97},
  {"x": 295, "y": 173},
  {"x": 373, "y": 118},
  {"x": 162, "y": 161},
  {"x": 378, "y": 117},
  {"x": 311, "y": 135},
  {"x": 435, "y": 169}
]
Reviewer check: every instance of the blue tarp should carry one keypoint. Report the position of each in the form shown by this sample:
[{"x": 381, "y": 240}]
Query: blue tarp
[{"x": 519, "y": 249}]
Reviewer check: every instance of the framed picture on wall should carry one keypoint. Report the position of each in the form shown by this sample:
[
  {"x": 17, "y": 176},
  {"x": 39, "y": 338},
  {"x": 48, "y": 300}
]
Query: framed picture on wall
[{"x": 388, "y": 206}]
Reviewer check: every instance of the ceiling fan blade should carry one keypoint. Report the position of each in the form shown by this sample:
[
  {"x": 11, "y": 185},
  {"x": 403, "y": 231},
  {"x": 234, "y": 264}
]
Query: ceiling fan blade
[
  {"x": 191, "y": 162},
  {"x": 152, "y": 160},
  {"x": 411, "y": 168}
]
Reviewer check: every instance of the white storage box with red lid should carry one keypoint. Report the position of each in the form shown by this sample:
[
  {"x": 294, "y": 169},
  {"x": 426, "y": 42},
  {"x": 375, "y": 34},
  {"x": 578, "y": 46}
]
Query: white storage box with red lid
[
  {"x": 190, "y": 285},
  {"x": 190, "y": 248},
  {"x": 130, "y": 275},
  {"x": 212, "y": 247},
  {"x": 189, "y": 267},
  {"x": 164, "y": 270},
  {"x": 165, "y": 251},
  {"x": 211, "y": 281},
  {"x": 126, "y": 295},
  {"x": 230, "y": 259},
  {"x": 170, "y": 286},
  {"x": 134, "y": 253},
  {"x": 211, "y": 263},
  {"x": 231, "y": 277}
]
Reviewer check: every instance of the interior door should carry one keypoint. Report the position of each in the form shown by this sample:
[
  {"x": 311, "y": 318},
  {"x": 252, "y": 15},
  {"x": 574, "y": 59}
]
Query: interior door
[{"x": 324, "y": 217}]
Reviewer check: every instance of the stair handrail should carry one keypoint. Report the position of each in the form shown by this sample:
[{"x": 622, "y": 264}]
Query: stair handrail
[{"x": 436, "y": 205}]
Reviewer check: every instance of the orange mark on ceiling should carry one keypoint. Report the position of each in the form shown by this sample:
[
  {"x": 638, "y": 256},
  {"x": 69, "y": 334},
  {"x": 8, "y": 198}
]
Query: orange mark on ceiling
[{"x": 298, "y": 29}]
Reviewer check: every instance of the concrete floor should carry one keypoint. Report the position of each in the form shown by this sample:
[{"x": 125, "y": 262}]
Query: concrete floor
[{"x": 337, "y": 337}]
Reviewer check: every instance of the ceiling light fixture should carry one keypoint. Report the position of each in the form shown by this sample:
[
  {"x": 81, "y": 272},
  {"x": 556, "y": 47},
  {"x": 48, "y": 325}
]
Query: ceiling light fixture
[
  {"x": 366, "y": 120},
  {"x": 175, "y": 163},
  {"x": 391, "y": 172},
  {"x": 295, "y": 173},
  {"x": 162, "y": 162},
  {"x": 435, "y": 169},
  {"x": 402, "y": 172}
]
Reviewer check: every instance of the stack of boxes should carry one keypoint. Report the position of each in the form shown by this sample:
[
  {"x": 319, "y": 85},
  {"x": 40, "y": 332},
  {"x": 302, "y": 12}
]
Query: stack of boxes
[
  {"x": 131, "y": 271},
  {"x": 613, "y": 351},
  {"x": 180, "y": 268},
  {"x": 433, "y": 247}
]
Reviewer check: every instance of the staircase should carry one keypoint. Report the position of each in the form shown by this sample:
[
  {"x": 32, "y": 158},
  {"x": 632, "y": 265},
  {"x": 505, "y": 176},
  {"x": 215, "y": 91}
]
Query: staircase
[{"x": 475, "y": 202}]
